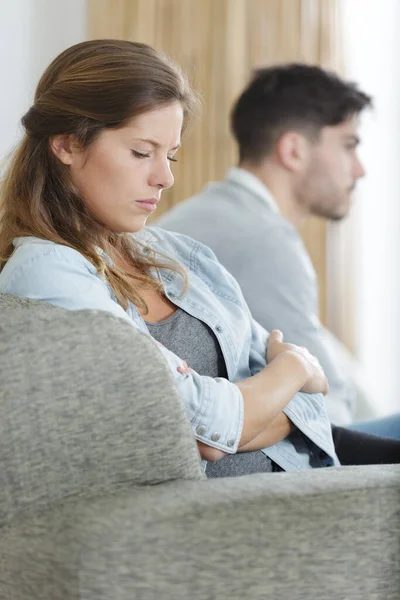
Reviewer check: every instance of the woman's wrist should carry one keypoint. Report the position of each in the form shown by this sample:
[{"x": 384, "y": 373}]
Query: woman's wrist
[{"x": 293, "y": 366}]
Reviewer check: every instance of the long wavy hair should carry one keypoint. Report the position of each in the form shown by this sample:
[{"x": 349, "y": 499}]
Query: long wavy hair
[{"x": 89, "y": 87}]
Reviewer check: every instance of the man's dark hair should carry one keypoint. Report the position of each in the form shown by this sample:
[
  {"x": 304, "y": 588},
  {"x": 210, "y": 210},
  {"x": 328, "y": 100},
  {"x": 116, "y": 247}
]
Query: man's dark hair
[{"x": 293, "y": 96}]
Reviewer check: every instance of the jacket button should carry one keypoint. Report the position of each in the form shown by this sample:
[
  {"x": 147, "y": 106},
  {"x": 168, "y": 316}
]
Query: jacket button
[
  {"x": 230, "y": 442},
  {"x": 201, "y": 429},
  {"x": 218, "y": 328},
  {"x": 215, "y": 436}
]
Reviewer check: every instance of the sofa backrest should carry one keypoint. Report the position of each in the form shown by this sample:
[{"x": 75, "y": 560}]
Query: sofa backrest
[{"x": 87, "y": 405}]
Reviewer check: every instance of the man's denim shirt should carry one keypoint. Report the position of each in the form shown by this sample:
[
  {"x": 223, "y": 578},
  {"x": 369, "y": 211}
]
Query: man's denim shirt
[{"x": 57, "y": 274}]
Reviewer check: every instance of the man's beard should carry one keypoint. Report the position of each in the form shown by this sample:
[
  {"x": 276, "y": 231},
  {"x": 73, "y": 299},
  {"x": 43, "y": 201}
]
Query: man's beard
[{"x": 327, "y": 201}]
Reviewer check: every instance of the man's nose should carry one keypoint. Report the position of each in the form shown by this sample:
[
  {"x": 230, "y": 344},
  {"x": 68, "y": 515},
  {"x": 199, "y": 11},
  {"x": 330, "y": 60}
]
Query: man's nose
[{"x": 359, "y": 170}]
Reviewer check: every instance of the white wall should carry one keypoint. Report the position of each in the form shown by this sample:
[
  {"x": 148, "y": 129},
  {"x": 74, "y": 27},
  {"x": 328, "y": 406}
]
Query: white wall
[
  {"x": 372, "y": 46},
  {"x": 32, "y": 33}
]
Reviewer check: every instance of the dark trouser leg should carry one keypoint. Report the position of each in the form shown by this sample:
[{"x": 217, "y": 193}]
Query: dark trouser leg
[{"x": 357, "y": 448}]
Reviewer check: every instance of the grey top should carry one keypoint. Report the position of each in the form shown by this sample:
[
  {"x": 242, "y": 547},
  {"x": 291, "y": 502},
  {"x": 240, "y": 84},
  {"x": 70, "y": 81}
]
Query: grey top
[
  {"x": 239, "y": 220},
  {"x": 193, "y": 341},
  {"x": 196, "y": 343}
]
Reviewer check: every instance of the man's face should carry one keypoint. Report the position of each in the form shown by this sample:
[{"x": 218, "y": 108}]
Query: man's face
[{"x": 332, "y": 171}]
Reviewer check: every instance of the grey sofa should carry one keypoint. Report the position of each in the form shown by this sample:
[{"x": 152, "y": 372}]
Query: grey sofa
[{"x": 102, "y": 495}]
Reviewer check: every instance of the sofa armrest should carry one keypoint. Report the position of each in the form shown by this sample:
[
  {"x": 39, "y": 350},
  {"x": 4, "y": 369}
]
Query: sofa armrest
[{"x": 87, "y": 405}]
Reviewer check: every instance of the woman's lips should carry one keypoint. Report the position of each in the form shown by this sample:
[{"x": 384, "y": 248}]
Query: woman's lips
[{"x": 148, "y": 204}]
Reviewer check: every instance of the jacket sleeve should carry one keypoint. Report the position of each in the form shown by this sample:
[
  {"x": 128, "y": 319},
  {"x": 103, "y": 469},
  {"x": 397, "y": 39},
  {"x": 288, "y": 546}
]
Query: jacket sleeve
[{"x": 64, "y": 278}]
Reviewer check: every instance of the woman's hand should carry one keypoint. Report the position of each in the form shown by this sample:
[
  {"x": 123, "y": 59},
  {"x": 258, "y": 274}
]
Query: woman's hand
[
  {"x": 317, "y": 381},
  {"x": 184, "y": 368}
]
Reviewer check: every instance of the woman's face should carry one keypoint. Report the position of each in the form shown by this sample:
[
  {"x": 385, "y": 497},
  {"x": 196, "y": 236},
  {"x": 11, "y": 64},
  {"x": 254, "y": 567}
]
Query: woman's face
[{"x": 123, "y": 173}]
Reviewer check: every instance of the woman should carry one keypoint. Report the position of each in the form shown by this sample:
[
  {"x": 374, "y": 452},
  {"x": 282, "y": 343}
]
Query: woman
[{"x": 104, "y": 127}]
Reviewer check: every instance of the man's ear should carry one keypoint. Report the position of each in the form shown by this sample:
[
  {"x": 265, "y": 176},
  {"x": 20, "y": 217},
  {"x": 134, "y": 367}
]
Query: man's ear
[
  {"x": 293, "y": 150},
  {"x": 64, "y": 147}
]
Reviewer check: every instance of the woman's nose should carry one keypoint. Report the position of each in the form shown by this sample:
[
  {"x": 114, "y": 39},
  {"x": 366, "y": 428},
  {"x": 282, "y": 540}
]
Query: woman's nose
[{"x": 162, "y": 176}]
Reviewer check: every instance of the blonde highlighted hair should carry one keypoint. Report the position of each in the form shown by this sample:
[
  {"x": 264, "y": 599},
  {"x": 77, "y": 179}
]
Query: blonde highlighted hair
[{"x": 89, "y": 87}]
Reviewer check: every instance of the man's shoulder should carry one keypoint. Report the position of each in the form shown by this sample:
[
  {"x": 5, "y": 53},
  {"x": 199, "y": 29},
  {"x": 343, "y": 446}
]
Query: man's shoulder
[
  {"x": 219, "y": 210},
  {"x": 207, "y": 200}
]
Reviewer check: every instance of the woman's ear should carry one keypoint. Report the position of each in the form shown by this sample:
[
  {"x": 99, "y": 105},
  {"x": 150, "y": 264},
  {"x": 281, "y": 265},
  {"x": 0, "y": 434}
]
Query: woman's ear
[{"x": 64, "y": 148}]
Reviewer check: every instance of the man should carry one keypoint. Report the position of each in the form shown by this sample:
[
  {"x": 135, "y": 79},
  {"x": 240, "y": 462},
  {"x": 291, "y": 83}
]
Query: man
[{"x": 296, "y": 128}]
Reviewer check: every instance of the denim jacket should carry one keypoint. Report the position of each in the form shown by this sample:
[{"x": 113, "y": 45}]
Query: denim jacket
[{"x": 57, "y": 274}]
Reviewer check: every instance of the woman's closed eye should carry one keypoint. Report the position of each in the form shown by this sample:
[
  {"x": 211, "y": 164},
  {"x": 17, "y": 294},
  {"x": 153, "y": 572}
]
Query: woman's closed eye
[{"x": 137, "y": 154}]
